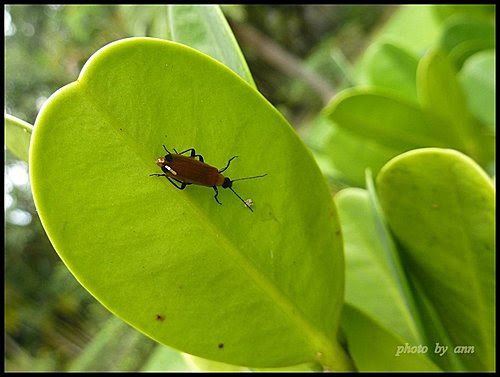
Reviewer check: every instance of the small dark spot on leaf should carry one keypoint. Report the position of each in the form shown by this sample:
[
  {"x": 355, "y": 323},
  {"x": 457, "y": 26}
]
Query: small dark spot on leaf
[
  {"x": 160, "y": 317},
  {"x": 221, "y": 345},
  {"x": 337, "y": 232}
]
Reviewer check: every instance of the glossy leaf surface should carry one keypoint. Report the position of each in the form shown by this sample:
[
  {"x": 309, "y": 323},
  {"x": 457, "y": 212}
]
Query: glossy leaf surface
[{"x": 445, "y": 222}]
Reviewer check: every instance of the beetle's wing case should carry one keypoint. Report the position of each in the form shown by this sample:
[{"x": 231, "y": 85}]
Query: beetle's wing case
[{"x": 190, "y": 170}]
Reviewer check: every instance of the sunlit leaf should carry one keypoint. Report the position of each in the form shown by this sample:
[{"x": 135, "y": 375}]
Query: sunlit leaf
[
  {"x": 216, "y": 281},
  {"x": 445, "y": 222}
]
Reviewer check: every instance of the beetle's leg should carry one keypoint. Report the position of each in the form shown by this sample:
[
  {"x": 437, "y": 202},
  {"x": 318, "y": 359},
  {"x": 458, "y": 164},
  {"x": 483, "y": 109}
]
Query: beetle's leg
[
  {"x": 181, "y": 187},
  {"x": 216, "y": 194},
  {"x": 193, "y": 154},
  {"x": 171, "y": 180},
  {"x": 231, "y": 159}
]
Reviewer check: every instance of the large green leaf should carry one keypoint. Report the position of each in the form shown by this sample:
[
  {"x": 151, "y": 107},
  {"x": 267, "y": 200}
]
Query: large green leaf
[
  {"x": 440, "y": 205},
  {"x": 216, "y": 281},
  {"x": 17, "y": 136}
]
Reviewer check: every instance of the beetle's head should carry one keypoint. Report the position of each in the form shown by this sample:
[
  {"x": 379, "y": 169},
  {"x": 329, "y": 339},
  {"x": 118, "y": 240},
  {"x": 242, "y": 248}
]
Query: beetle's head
[
  {"x": 161, "y": 162},
  {"x": 227, "y": 183}
]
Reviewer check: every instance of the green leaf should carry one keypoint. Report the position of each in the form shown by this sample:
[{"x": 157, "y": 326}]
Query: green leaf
[
  {"x": 391, "y": 67},
  {"x": 368, "y": 154},
  {"x": 205, "y": 28},
  {"x": 445, "y": 221},
  {"x": 316, "y": 134},
  {"x": 375, "y": 115},
  {"x": 444, "y": 104},
  {"x": 17, "y": 136},
  {"x": 405, "y": 29},
  {"x": 260, "y": 289},
  {"x": 375, "y": 126},
  {"x": 374, "y": 348},
  {"x": 477, "y": 78},
  {"x": 374, "y": 281},
  {"x": 462, "y": 38}
]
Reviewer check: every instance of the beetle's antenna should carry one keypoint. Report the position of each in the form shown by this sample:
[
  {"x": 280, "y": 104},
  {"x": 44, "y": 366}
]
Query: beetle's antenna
[
  {"x": 241, "y": 179},
  {"x": 245, "y": 203}
]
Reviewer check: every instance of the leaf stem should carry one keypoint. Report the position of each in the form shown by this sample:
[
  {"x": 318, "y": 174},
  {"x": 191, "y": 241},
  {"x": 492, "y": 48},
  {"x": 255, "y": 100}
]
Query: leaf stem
[{"x": 335, "y": 358}]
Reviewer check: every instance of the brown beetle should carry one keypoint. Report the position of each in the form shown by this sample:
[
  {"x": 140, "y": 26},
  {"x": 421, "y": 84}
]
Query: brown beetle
[{"x": 186, "y": 170}]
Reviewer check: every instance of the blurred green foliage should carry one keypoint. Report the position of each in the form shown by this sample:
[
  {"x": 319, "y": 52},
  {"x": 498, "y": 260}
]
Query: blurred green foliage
[{"x": 430, "y": 87}]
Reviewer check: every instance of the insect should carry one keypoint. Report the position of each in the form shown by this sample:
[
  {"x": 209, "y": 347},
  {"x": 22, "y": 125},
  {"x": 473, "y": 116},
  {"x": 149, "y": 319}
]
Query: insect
[{"x": 182, "y": 171}]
